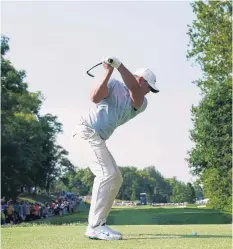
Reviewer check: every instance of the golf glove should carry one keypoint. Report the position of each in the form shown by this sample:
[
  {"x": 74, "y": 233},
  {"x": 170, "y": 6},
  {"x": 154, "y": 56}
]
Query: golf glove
[{"x": 114, "y": 62}]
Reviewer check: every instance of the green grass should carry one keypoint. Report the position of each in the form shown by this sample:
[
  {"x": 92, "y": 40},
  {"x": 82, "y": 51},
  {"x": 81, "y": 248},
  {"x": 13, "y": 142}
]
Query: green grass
[
  {"x": 142, "y": 228},
  {"x": 170, "y": 216},
  {"x": 32, "y": 198},
  {"x": 144, "y": 236},
  {"x": 141, "y": 215}
]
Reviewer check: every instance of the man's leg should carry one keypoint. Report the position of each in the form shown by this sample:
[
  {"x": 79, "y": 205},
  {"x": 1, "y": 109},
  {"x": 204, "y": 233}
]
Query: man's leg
[
  {"x": 106, "y": 185},
  {"x": 107, "y": 182}
]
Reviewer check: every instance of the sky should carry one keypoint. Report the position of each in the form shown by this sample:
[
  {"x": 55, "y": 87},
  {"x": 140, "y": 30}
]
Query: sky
[{"x": 56, "y": 42}]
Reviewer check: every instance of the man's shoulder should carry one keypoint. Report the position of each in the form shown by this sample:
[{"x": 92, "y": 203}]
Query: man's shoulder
[
  {"x": 143, "y": 107},
  {"x": 116, "y": 85},
  {"x": 145, "y": 103},
  {"x": 115, "y": 81}
]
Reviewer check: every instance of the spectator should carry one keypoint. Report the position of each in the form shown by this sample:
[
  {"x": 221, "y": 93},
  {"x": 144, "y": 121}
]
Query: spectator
[
  {"x": 3, "y": 217},
  {"x": 21, "y": 212},
  {"x": 27, "y": 211},
  {"x": 36, "y": 211},
  {"x": 10, "y": 212},
  {"x": 46, "y": 210}
]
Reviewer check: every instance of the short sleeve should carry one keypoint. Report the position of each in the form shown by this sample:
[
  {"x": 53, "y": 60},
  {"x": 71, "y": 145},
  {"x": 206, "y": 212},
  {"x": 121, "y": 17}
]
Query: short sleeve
[{"x": 143, "y": 107}]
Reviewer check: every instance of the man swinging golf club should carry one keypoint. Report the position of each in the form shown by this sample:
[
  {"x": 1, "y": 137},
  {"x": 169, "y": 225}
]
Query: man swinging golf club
[{"x": 116, "y": 103}]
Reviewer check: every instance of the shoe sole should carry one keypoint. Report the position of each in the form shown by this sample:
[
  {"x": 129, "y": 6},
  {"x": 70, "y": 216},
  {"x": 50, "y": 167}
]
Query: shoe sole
[{"x": 108, "y": 239}]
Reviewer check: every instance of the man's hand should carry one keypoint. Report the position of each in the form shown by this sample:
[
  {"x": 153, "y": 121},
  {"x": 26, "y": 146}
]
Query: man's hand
[
  {"x": 113, "y": 61},
  {"x": 108, "y": 67}
]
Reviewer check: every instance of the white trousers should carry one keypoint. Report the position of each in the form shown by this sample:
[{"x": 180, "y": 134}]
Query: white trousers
[{"x": 108, "y": 178}]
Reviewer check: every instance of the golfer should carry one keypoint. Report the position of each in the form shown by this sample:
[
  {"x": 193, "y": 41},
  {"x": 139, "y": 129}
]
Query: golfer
[{"x": 116, "y": 103}]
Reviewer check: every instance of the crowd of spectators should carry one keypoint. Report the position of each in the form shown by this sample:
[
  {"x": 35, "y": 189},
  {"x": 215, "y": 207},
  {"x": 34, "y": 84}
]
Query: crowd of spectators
[{"x": 14, "y": 212}]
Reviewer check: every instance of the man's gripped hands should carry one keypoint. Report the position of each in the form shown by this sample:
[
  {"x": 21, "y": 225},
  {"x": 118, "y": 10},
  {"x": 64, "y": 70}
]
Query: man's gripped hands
[
  {"x": 108, "y": 67},
  {"x": 112, "y": 61}
]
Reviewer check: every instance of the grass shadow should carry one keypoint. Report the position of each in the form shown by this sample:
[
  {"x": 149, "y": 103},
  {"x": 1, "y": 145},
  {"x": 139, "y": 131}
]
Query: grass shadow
[
  {"x": 165, "y": 216},
  {"x": 170, "y": 236}
]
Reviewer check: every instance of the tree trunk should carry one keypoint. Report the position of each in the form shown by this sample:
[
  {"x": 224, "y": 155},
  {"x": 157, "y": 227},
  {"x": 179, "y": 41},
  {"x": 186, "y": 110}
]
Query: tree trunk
[
  {"x": 35, "y": 188},
  {"x": 48, "y": 187}
]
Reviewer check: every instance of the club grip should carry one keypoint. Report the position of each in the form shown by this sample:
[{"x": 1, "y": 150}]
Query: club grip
[{"x": 110, "y": 60}]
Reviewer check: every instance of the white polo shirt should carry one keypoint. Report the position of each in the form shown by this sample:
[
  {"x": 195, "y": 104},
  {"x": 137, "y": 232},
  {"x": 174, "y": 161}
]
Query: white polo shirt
[{"x": 112, "y": 111}]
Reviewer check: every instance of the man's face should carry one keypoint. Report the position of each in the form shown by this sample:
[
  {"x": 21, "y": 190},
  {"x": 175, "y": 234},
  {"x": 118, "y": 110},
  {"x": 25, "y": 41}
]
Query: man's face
[{"x": 144, "y": 85}]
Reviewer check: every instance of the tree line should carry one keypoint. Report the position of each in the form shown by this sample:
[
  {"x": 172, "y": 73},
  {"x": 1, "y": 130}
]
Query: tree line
[{"x": 135, "y": 181}]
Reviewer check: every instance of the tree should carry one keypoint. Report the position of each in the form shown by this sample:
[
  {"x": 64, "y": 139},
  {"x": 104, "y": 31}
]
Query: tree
[
  {"x": 129, "y": 177},
  {"x": 191, "y": 196},
  {"x": 210, "y": 42},
  {"x": 133, "y": 196},
  {"x": 211, "y": 47},
  {"x": 79, "y": 181},
  {"x": 18, "y": 123},
  {"x": 30, "y": 155},
  {"x": 178, "y": 191},
  {"x": 218, "y": 187},
  {"x": 148, "y": 181},
  {"x": 160, "y": 188},
  {"x": 198, "y": 190}
]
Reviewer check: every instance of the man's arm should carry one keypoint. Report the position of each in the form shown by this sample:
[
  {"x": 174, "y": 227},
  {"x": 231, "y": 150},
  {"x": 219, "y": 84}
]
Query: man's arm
[
  {"x": 136, "y": 94},
  {"x": 101, "y": 91}
]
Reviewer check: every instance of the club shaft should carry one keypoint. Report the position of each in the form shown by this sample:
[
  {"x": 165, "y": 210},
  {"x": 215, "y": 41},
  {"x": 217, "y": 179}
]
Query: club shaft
[
  {"x": 110, "y": 60},
  {"x": 95, "y": 66}
]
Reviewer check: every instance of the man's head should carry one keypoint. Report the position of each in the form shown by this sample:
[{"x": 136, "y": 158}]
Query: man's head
[{"x": 147, "y": 80}]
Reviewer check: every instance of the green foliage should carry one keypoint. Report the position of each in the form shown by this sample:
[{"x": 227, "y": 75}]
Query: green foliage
[
  {"x": 29, "y": 153},
  {"x": 148, "y": 180},
  {"x": 190, "y": 193},
  {"x": 198, "y": 190},
  {"x": 212, "y": 133},
  {"x": 4, "y": 44},
  {"x": 79, "y": 181},
  {"x": 211, "y": 47},
  {"x": 181, "y": 192},
  {"x": 211, "y": 41},
  {"x": 217, "y": 185}
]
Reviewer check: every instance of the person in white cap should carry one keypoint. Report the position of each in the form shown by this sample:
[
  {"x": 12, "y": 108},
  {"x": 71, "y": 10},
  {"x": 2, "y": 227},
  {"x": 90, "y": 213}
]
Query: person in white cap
[{"x": 116, "y": 103}]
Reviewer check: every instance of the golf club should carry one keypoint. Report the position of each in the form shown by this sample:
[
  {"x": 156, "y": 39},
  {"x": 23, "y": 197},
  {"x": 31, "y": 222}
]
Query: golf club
[{"x": 88, "y": 71}]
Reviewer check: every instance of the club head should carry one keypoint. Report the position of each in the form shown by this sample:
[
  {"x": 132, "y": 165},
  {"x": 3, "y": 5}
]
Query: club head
[
  {"x": 92, "y": 68},
  {"x": 90, "y": 74}
]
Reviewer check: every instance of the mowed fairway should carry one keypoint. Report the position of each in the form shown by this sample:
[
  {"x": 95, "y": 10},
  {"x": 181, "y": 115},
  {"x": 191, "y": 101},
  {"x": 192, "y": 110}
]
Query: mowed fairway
[{"x": 141, "y": 227}]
